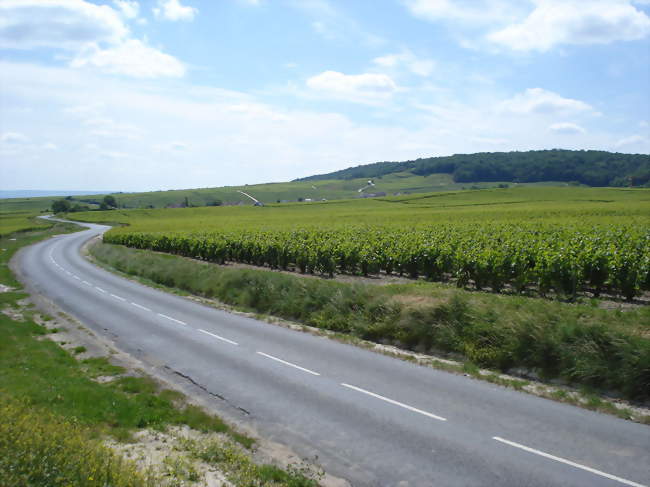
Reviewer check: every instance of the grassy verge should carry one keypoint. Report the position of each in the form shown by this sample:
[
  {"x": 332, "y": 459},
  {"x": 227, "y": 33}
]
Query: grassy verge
[
  {"x": 54, "y": 415},
  {"x": 605, "y": 350}
]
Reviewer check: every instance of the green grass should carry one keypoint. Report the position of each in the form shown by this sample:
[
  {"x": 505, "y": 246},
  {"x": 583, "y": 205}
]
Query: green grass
[
  {"x": 520, "y": 204},
  {"x": 11, "y": 222},
  {"x": 606, "y": 349}
]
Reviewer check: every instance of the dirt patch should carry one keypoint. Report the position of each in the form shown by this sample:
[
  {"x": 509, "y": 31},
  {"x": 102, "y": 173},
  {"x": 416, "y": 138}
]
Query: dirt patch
[
  {"x": 165, "y": 454},
  {"x": 14, "y": 313}
]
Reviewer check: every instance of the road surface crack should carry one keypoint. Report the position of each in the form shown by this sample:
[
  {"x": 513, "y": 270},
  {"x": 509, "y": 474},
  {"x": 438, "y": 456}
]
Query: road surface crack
[{"x": 205, "y": 389}]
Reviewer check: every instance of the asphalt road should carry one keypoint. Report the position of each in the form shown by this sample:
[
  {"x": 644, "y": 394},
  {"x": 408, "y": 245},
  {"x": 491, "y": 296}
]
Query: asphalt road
[{"x": 371, "y": 419}]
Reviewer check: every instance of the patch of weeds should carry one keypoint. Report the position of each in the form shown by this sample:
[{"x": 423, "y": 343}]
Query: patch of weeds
[
  {"x": 171, "y": 395},
  {"x": 560, "y": 395},
  {"x": 471, "y": 368},
  {"x": 241, "y": 470},
  {"x": 197, "y": 419},
  {"x": 178, "y": 469},
  {"x": 136, "y": 385},
  {"x": 79, "y": 349},
  {"x": 39, "y": 330},
  {"x": 98, "y": 366}
]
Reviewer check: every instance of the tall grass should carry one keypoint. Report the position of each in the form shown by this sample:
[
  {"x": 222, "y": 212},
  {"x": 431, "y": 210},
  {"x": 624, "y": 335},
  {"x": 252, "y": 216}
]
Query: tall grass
[{"x": 608, "y": 350}]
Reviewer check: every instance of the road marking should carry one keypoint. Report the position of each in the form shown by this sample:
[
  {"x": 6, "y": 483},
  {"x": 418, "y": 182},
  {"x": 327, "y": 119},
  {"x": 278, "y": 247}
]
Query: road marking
[
  {"x": 218, "y": 337},
  {"x": 68, "y": 273},
  {"x": 118, "y": 297},
  {"x": 172, "y": 319},
  {"x": 77, "y": 278},
  {"x": 87, "y": 283},
  {"x": 140, "y": 306},
  {"x": 100, "y": 289},
  {"x": 396, "y": 403},
  {"x": 568, "y": 462},
  {"x": 288, "y": 363}
]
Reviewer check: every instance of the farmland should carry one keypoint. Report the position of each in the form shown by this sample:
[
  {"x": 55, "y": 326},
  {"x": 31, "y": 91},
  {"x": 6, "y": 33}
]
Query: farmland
[
  {"x": 563, "y": 241},
  {"x": 564, "y": 244}
]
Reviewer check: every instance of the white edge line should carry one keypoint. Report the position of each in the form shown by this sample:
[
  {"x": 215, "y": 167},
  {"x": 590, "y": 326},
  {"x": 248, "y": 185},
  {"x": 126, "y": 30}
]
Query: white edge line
[
  {"x": 397, "y": 403},
  {"x": 288, "y": 363},
  {"x": 172, "y": 319},
  {"x": 100, "y": 289},
  {"x": 568, "y": 462},
  {"x": 218, "y": 337},
  {"x": 118, "y": 297},
  {"x": 140, "y": 306}
]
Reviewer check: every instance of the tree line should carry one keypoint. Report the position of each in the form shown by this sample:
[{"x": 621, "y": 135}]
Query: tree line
[{"x": 590, "y": 167}]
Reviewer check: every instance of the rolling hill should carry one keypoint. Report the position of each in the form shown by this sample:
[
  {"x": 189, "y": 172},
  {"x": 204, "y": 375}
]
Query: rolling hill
[{"x": 457, "y": 172}]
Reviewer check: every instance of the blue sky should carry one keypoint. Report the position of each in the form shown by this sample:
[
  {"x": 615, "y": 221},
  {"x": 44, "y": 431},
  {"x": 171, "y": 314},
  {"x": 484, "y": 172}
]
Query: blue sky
[{"x": 143, "y": 95}]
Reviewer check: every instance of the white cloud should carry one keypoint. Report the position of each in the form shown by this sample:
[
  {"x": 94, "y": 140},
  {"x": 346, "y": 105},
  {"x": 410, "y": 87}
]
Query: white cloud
[
  {"x": 557, "y": 22},
  {"x": 465, "y": 11},
  {"x": 362, "y": 88},
  {"x": 131, "y": 58},
  {"x": 12, "y": 138},
  {"x": 233, "y": 138},
  {"x": 129, "y": 8},
  {"x": 50, "y": 146},
  {"x": 174, "y": 10},
  {"x": 96, "y": 35},
  {"x": 540, "y": 101},
  {"x": 567, "y": 128},
  {"x": 418, "y": 66},
  {"x": 62, "y": 24}
]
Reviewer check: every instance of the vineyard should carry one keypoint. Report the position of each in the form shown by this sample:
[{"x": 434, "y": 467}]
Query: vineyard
[
  {"x": 565, "y": 260},
  {"x": 541, "y": 241}
]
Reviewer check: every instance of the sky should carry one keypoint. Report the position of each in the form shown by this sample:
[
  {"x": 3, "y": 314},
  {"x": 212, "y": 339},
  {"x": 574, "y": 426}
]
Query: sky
[{"x": 162, "y": 94}]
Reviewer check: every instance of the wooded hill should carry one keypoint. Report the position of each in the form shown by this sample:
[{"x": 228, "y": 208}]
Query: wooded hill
[{"x": 593, "y": 168}]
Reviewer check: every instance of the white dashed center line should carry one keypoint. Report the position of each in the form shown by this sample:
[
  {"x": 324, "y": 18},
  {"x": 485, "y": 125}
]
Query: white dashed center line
[
  {"x": 100, "y": 289},
  {"x": 218, "y": 337},
  {"x": 568, "y": 462},
  {"x": 172, "y": 319},
  {"x": 396, "y": 403},
  {"x": 288, "y": 363},
  {"x": 77, "y": 278},
  {"x": 87, "y": 283},
  {"x": 118, "y": 297},
  {"x": 140, "y": 306}
]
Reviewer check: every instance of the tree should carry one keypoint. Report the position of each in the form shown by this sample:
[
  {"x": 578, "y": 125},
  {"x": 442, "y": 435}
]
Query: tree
[
  {"x": 109, "y": 201},
  {"x": 60, "y": 206}
]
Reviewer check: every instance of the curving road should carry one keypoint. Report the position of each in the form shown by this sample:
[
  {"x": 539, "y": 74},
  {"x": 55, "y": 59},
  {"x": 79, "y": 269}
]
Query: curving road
[{"x": 371, "y": 419}]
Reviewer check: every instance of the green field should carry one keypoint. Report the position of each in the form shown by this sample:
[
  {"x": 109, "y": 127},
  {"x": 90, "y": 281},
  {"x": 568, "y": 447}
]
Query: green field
[
  {"x": 564, "y": 241},
  {"x": 521, "y": 204},
  {"x": 267, "y": 193},
  {"x": 20, "y": 221}
]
